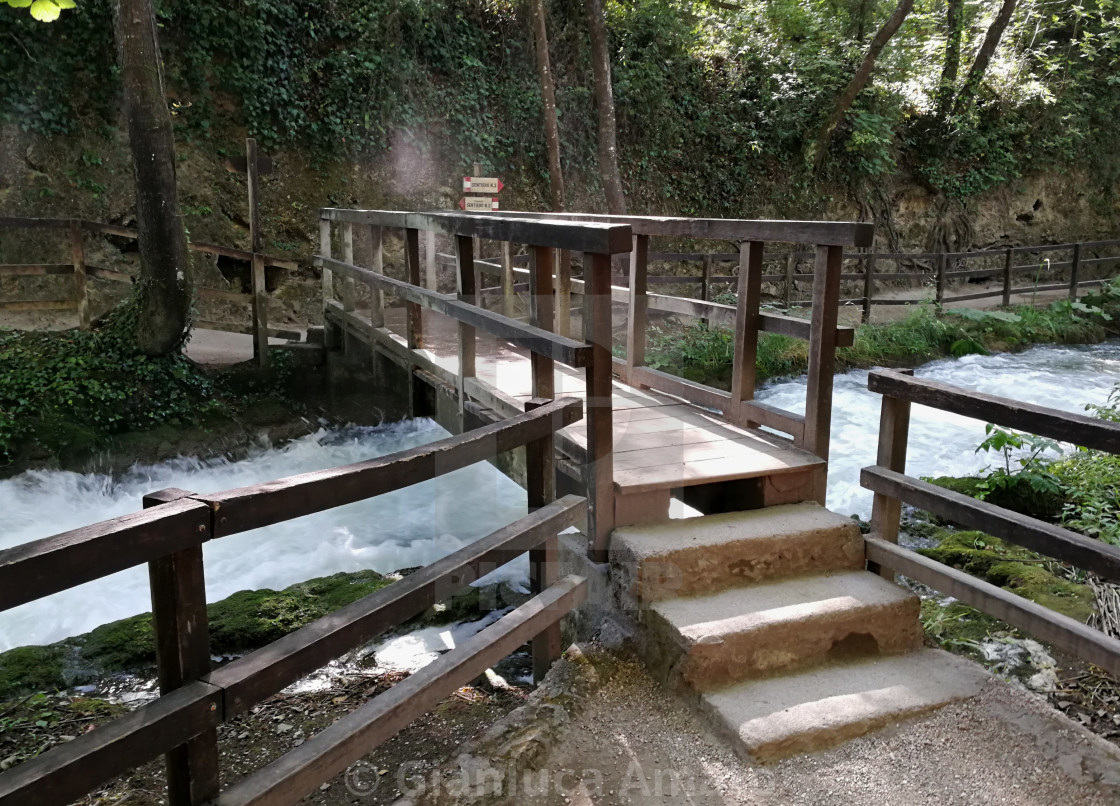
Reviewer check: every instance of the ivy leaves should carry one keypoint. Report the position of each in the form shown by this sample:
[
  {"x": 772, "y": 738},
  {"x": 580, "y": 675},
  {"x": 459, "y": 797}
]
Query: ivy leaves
[{"x": 43, "y": 10}]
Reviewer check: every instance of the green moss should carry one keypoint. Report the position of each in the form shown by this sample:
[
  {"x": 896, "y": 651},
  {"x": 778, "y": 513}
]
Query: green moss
[
  {"x": 1018, "y": 495},
  {"x": 32, "y": 668},
  {"x": 1016, "y": 569},
  {"x": 244, "y": 621}
]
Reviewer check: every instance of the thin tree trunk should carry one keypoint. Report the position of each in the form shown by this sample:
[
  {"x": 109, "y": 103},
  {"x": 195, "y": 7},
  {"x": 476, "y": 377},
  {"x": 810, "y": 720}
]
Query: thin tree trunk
[
  {"x": 984, "y": 55},
  {"x": 548, "y": 96},
  {"x": 604, "y": 100},
  {"x": 860, "y": 79},
  {"x": 954, "y": 14},
  {"x": 165, "y": 292}
]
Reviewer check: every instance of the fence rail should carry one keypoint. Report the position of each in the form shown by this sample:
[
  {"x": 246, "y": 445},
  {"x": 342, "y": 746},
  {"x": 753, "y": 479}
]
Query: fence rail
[
  {"x": 168, "y": 535},
  {"x": 892, "y": 487},
  {"x": 256, "y": 324}
]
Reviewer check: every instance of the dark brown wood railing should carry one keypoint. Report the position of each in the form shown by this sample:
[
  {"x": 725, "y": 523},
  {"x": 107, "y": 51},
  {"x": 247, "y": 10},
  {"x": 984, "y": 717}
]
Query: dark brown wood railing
[
  {"x": 256, "y": 323},
  {"x": 168, "y": 535},
  {"x": 892, "y": 487}
]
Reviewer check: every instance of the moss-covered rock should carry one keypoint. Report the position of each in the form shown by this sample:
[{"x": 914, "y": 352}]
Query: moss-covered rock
[
  {"x": 242, "y": 622},
  {"x": 1016, "y": 569}
]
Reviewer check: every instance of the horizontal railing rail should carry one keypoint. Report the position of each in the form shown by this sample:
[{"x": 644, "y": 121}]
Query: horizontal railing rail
[
  {"x": 892, "y": 487},
  {"x": 194, "y": 700}
]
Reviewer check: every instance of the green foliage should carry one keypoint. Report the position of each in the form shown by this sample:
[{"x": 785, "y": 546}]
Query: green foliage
[
  {"x": 43, "y": 10},
  {"x": 67, "y": 391},
  {"x": 1024, "y": 475}
]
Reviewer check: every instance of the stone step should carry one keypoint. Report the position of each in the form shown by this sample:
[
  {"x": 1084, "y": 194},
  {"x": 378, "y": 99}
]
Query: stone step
[
  {"x": 706, "y": 642},
  {"x": 767, "y": 720},
  {"x": 714, "y": 552}
]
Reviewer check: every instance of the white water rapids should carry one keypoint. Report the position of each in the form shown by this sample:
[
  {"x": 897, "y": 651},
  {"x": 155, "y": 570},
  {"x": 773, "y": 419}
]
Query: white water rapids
[{"x": 418, "y": 525}]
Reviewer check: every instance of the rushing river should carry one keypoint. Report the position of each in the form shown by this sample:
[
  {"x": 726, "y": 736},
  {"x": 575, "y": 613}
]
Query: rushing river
[{"x": 422, "y": 523}]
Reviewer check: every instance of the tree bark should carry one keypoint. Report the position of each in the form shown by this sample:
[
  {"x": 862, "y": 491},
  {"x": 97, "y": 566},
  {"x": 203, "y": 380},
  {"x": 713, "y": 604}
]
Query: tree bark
[
  {"x": 548, "y": 96},
  {"x": 860, "y": 79},
  {"x": 604, "y": 100},
  {"x": 984, "y": 55},
  {"x": 165, "y": 292},
  {"x": 954, "y": 14}
]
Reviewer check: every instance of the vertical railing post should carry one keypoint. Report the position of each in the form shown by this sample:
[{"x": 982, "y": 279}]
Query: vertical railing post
[
  {"x": 638, "y": 306},
  {"x": 508, "y": 297},
  {"x": 1074, "y": 269},
  {"x": 432, "y": 276},
  {"x": 542, "y": 314},
  {"x": 260, "y": 290},
  {"x": 706, "y": 279},
  {"x": 81, "y": 292},
  {"x": 1008, "y": 261},
  {"x": 822, "y": 350},
  {"x": 600, "y": 437},
  {"x": 414, "y": 322},
  {"x": 942, "y": 263},
  {"x": 894, "y": 430},
  {"x": 376, "y": 262},
  {"x": 564, "y": 292},
  {"x": 747, "y": 325},
  {"x": 791, "y": 260},
  {"x": 868, "y": 285},
  {"x": 330, "y": 333},
  {"x": 182, "y": 638},
  {"x": 465, "y": 276},
  {"x": 349, "y": 287}
]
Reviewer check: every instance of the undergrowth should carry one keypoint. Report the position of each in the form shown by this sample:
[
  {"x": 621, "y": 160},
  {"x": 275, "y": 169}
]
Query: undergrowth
[
  {"x": 67, "y": 392},
  {"x": 704, "y": 353}
]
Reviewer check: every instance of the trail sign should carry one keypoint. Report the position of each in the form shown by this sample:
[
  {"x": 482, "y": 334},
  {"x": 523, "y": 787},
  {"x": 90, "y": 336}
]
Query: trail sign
[
  {"x": 478, "y": 204},
  {"x": 482, "y": 184}
]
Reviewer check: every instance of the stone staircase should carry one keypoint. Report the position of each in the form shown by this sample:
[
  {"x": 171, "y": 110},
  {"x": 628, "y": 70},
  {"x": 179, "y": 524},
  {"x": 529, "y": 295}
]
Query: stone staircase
[{"x": 768, "y": 621}]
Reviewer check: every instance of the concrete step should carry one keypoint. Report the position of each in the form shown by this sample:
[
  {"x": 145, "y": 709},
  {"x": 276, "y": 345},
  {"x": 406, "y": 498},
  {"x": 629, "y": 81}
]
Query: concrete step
[
  {"x": 716, "y": 552},
  {"x": 711, "y": 641},
  {"x": 770, "y": 719}
]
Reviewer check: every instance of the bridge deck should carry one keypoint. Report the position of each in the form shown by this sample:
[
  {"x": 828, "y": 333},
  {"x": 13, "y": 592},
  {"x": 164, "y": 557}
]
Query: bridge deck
[{"x": 661, "y": 443}]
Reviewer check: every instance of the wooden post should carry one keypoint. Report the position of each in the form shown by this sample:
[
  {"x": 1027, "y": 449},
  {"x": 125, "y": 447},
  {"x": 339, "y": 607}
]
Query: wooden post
[
  {"x": 182, "y": 639},
  {"x": 868, "y": 285},
  {"x": 942, "y": 263},
  {"x": 464, "y": 271},
  {"x": 476, "y": 250},
  {"x": 600, "y": 437},
  {"x": 1008, "y": 260},
  {"x": 260, "y": 290},
  {"x": 508, "y": 297},
  {"x": 822, "y": 350},
  {"x": 791, "y": 261},
  {"x": 540, "y": 475},
  {"x": 81, "y": 293},
  {"x": 747, "y": 325},
  {"x": 564, "y": 292},
  {"x": 349, "y": 287},
  {"x": 894, "y": 430},
  {"x": 376, "y": 262},
  {"x": 542, "y": 314},
  {"x": 325, "y": 251},
  {"x": 706, "y": 279},
  {"x": 1074, "y": 268},
  {"x": 414, "y": 323},
  {"x": 432, "y": 276},
  {"x": 638, "y": 310}
]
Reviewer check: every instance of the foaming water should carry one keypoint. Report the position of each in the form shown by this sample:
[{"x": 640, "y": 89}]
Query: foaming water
[
  {"x": 422, "y": 523},
  {"x": 410, "y": 527},
  {"x": 944, "y": 444}
]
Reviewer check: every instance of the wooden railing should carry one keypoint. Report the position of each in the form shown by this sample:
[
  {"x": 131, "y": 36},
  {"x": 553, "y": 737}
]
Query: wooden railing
[
  {"x": 892, "y": 487},
  {"x": 810, "y": 430},
  {"x": 936, "y": 269},
  {"x": 169, "y": 534},
  {"x": 78, "y": 301},
  {"x": 597, "y": 242}
]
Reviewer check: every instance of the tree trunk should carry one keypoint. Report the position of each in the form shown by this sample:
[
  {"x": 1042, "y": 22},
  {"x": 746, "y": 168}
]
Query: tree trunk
[
  {"x": 604, "y": 100},
  {"x": 954, "y": 14},
  {"x": 860, "y": 79},
  {"x": 548, "y": 96},
  {"x": 164, "y": 287},
  {"x": 984, "y": 55}
]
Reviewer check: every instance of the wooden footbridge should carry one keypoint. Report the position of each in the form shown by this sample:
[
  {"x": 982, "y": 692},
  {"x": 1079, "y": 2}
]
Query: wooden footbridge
[{"x": 762, "y": 611}]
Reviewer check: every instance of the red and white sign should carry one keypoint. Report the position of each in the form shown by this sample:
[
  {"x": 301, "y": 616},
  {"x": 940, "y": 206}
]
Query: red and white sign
[
  {"x": 478, "y": 204},
  {"x": 482, "y": 184}
]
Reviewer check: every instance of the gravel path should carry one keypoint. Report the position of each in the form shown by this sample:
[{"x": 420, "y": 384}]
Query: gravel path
[{"x": 634, "y": 744}]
